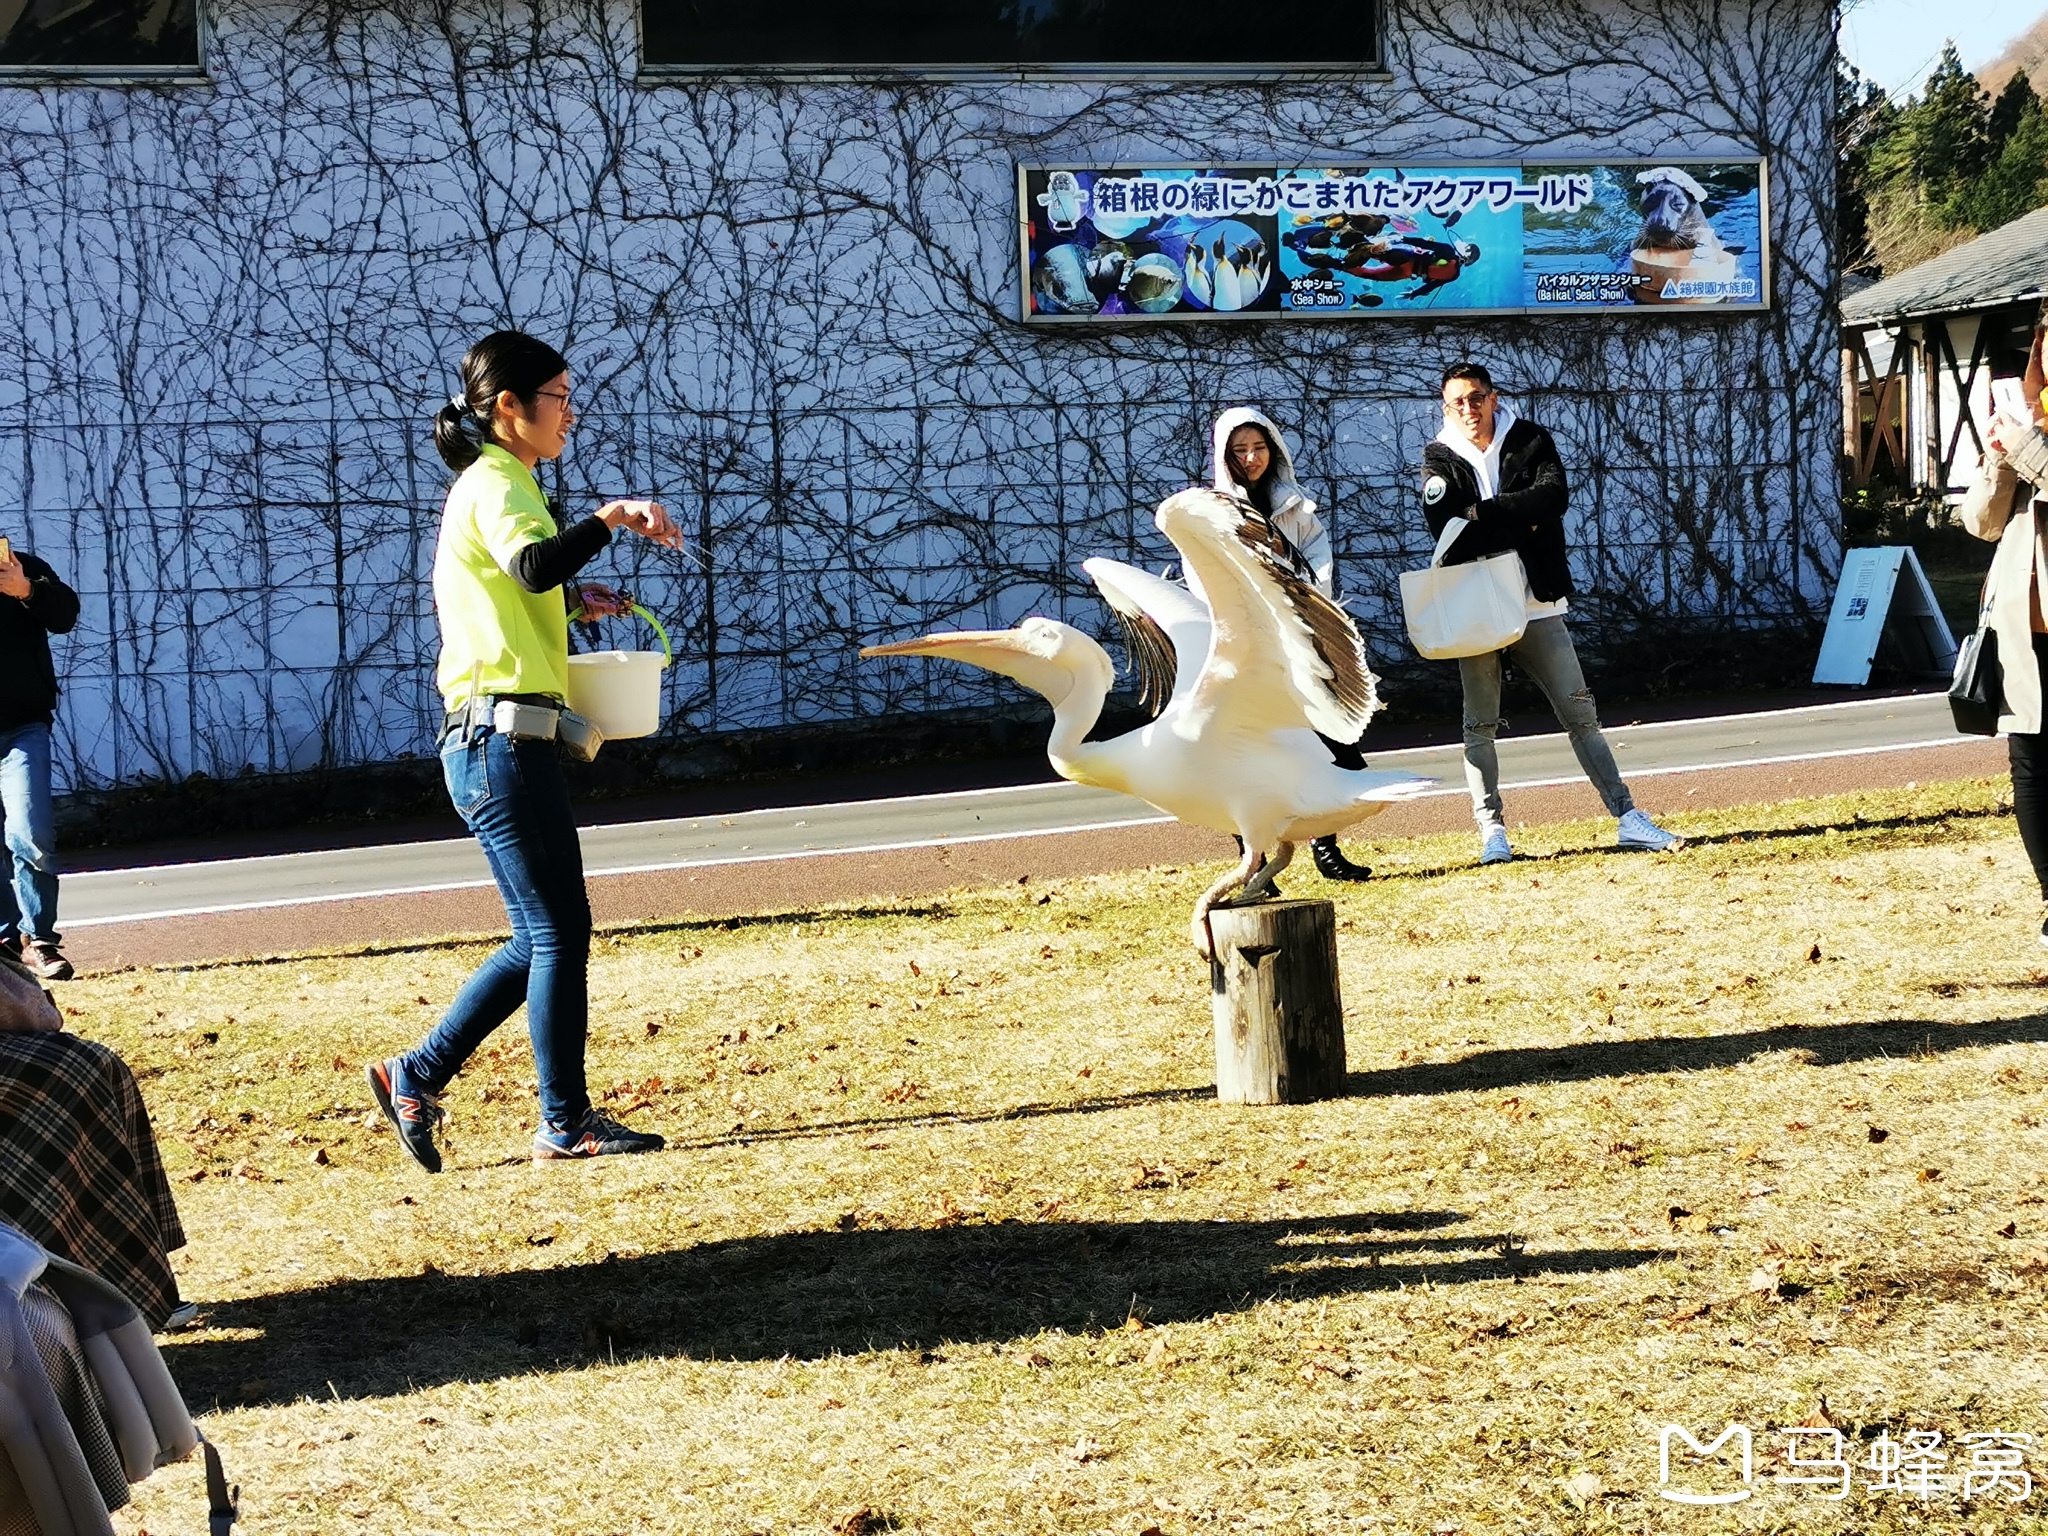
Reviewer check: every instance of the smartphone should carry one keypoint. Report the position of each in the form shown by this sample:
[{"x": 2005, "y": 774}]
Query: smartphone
[{"x": 6, "y": 551}]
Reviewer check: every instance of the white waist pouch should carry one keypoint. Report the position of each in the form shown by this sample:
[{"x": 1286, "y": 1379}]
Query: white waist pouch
[{"x": 1465, "y": 610}]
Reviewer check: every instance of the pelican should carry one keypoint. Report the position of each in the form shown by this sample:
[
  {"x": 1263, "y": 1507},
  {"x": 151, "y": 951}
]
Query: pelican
[{"x": 1233, "y": 743}]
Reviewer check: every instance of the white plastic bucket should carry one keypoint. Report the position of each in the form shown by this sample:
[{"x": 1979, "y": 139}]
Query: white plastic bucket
[{"x": 620, "y": 691}]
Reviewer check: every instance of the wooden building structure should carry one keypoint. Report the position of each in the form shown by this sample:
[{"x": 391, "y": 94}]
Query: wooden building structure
[{"x": 1919, "y": 352}]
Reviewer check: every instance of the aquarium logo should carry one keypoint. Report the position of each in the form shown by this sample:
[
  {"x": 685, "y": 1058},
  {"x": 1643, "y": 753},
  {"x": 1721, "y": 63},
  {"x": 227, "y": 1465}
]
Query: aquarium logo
[
  {"x": 1710, "y": 288},
  {"x": 1739, "y": 1433}
]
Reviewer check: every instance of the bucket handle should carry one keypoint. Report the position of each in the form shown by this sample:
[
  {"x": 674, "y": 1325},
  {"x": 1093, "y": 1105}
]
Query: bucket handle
[{"x": 667, "y": 655}]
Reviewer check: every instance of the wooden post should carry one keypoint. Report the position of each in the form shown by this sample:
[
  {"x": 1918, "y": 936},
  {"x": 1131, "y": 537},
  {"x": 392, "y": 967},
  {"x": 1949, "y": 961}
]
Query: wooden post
[{"x": 1279, "y": 1019}]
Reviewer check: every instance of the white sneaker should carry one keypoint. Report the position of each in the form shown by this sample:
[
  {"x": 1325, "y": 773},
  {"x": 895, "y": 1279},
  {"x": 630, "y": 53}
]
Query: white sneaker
[
  {"x": 1638, "y": 831},
  {"x": 1493, "y": 846}
]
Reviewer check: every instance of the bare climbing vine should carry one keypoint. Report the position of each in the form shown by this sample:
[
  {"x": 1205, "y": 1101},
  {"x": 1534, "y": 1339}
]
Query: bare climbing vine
[{"x": 226, "y": 314}]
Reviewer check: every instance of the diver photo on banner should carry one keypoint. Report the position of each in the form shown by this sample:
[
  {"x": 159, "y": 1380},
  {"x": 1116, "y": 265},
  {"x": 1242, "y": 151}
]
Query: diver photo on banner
[{"x": 1266, "y": 242}]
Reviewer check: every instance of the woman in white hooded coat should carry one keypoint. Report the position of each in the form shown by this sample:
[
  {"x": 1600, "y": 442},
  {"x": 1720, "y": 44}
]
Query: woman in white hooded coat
[{"x": 1250, "y": 461}]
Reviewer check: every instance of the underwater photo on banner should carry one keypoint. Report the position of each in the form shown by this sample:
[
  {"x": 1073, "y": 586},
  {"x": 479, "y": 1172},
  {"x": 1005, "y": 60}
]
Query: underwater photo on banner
[{"x": 1316, "y": 242}]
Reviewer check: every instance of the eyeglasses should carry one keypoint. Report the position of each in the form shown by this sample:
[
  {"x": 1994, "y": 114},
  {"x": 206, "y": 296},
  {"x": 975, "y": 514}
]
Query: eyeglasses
[
  {"x": 557, "y": 394},
  {"x": 1471, "y": 402}
]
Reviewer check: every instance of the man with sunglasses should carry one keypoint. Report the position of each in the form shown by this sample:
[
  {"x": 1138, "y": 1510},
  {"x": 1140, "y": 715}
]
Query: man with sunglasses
[{"x": 1503, "y": 476}]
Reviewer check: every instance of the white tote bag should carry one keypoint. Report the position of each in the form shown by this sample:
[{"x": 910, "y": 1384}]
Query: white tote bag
[{"x": 1465, "y": 610}]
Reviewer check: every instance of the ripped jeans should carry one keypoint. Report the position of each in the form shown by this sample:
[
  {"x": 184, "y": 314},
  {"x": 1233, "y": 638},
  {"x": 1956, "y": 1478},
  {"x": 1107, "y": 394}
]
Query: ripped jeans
[{"x": 1545, "y": 653}]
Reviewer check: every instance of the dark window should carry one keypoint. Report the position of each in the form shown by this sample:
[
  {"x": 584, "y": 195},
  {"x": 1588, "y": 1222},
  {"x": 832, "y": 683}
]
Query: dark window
[
  {"x": 151, "y": 35},
  {"x": 1002, "y": 34}
]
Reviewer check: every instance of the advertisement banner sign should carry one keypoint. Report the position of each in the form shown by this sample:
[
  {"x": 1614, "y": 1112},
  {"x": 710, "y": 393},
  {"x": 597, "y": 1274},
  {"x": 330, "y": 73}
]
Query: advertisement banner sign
[{"x": 1259, "y": 242}]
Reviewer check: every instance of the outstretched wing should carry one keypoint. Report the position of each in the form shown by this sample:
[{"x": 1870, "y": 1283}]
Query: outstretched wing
[
  {"x": 1281, "y": 654},
  {"x": 1165, "y": 626}
]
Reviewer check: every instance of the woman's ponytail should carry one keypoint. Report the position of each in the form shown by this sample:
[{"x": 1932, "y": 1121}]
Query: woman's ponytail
[
  {"x": 458, "y": 449},
  {"x": 503, "y": 360}
]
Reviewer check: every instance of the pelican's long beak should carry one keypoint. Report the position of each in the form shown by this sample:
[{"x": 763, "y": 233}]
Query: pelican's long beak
[
  {"x": 959, "y": 644},
  {"x": 1015, "y": 653}
]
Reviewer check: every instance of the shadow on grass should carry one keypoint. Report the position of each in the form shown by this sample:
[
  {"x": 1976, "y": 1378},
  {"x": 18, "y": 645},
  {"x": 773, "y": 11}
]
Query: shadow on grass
[
  {"x": 1915, "y": 822},
  {"x": 937, "y": 911},
  {"x": 1831, "y": 1045},
  {"x": 812, "y": 1294},
  {"x": 873, "y": 1123}
]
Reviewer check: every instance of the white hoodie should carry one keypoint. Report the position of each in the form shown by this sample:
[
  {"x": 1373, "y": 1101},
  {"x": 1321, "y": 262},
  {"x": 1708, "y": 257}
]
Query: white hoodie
[
  {"x": 1293, "y": 513},
  {"x": 1486, "y": 467}
]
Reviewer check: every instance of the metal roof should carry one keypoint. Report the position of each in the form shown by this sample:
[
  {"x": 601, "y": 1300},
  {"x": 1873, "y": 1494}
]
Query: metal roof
[{"x": 2007, "y": 265}]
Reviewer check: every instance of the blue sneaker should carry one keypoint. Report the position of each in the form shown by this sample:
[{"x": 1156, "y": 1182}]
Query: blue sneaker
[
  {"x": 1493, "y": 845},
  {"x": 412, "y": 1111},
  {"x": 597, "y": 1134}
]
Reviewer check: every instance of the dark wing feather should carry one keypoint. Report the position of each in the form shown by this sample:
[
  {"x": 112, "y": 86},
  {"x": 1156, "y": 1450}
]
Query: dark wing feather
[
  {"x": 1330, "y": 630},
  {"x": 1152, "y": 657}
]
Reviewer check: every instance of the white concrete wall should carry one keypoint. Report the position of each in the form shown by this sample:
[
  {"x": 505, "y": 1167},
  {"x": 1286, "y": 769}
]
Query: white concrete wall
[{"x": 226, "y": 313}]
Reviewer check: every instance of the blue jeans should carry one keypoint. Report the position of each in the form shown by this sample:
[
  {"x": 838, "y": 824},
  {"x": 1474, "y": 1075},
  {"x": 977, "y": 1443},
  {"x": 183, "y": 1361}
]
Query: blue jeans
[
  {"x": 28, "y": 903},
  {"x": 513, "y": 797},
  {"x": 1545, "y": 652}
]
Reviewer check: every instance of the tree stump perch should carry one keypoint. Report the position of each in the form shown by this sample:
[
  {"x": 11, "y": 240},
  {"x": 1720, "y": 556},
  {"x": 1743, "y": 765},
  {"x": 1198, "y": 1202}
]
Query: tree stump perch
[{"x": 1279, "y": 1017}]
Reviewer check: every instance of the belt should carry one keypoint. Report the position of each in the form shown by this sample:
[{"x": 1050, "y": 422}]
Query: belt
[{"x": 477, "y": 709}]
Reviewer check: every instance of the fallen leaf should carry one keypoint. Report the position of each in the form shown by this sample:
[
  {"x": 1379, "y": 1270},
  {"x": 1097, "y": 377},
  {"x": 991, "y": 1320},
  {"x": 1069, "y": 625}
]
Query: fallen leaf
[
  {"x": 1037, "y": 1361},
  {"x": 2010, "y": 1229},
  {"x": 319, "y": 1157},
  {"x": 1583, "y": 1488},
  {"x": 858, "y": 1522},
  {"x": 1762, "y": 1282},
  {"x": 1085, "y": 1449},
  {"x": 1161, "y": 1355},
  {"x": 1820, "y": 1418},
  {"x": 831, "y": 1403},
  {"x": 1758, "y": 1191},
  {"x": 1877, "y": 1134},
  {"x": 1813, "y": 954},
  {"x": 1929, "y": 1175}
]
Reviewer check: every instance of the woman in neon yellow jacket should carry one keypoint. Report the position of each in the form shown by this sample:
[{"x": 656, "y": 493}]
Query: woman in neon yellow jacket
[{"x": 500, "y": 572}]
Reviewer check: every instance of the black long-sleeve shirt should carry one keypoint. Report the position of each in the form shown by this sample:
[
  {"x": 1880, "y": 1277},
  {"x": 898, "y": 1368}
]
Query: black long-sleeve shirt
[{"x": 549, "y": 563}]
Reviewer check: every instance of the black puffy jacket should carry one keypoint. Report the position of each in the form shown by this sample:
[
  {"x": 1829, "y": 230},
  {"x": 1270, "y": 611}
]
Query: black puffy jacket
[
  {"x": 28, "y": 681},
  {"x": 1526, "y": 516}
]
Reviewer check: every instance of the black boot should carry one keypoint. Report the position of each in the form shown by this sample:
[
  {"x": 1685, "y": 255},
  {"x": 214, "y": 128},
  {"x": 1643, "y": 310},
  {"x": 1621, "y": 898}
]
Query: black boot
[{"x": 1331, "y": 863}]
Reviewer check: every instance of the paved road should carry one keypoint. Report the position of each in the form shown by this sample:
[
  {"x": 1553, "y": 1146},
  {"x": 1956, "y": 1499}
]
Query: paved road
[{"x": 1815, "y": 734}]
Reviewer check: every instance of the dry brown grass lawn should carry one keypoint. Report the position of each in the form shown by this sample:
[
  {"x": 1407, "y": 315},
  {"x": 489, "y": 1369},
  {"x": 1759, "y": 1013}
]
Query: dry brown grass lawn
[{"x": 953, "y": 1239}]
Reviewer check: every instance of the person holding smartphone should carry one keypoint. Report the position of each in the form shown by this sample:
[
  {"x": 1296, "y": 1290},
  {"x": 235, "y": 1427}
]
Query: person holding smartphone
[
  {"x": 503, "y": 571},
  {"x": 34, "y": 605},
  {"x": 2004, "y": 504}
]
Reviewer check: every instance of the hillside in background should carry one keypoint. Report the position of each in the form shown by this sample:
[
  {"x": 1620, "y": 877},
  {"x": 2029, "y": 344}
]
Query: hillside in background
[
  {"x": 2028, "y": 51},
  {"x": 1922, "y": 175}
]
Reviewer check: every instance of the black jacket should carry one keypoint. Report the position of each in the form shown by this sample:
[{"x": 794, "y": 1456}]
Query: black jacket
[
  {"x": 1527, "y": 516},
  {"x": 28, "y": 681}
]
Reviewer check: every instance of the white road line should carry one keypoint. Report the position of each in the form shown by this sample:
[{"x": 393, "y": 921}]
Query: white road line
[
  {"x": 626, "y": 869},
  {"x": 944, "y": 842},
  {"x": 137, "y": 871}
]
